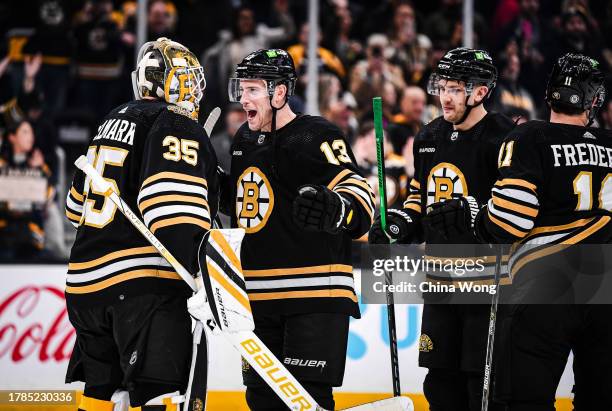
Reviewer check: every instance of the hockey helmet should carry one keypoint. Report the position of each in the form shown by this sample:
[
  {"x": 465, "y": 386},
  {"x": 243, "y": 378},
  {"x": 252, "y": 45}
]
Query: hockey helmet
[
  {"x": 576, "y": 84},
  {"x": 473, "y": 67},
  {"x": 167, "y": 70},
  {"x": 274, "y": 66}
]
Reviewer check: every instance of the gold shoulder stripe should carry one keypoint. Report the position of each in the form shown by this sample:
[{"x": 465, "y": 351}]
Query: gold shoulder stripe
[
  {"x": 179, "y": 220},
  {"x": 172, "y": 197},
  {"x": 507, "y": 227},
  {"x": 517, "y": 182},
  {"x": 76, "y": 195},
  {"x": 130, "y": 275},
  {"x": 519, "y": 208},
  {"x": 315, "y": 269},
  {"x": 175, "y": 176},
  {"x": 230, "y": 288},
  {"x": 112, "y": 256},
  {"x": 333, "y": 293},
  {"x": 338, "y": 177}
]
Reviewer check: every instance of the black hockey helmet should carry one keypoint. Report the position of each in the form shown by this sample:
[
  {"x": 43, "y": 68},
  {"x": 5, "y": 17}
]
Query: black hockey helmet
[
  {"x": 575, "y": 85},
  {"x": 473, "y": 67},
  {"x": 275, "y": 66}
]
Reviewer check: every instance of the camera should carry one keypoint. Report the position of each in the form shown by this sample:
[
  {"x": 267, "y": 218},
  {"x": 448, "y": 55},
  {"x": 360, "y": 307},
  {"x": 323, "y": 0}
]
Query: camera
[{"x": 377, "y": 51}]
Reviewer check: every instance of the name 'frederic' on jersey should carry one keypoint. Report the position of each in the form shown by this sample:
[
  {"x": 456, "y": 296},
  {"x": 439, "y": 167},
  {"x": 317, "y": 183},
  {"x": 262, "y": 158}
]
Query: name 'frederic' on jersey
[
  {"x": 117, "y": 130},
  {"x": 579, "y": 154}
]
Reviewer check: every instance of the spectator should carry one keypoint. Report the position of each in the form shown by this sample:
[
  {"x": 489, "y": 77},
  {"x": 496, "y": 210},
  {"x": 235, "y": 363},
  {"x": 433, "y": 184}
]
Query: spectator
[
  {"x": 409, "y": 49},
  {"x": 364, "y": 150},
  {"x": 52, "y": 39},
  {"x": 21, "y": 233},
  {"x": 235, "y": 116},
  {"x": 246, "y": 36},
  {"x": 445, "y": 24},
  {"x": 577, "y": 35},
  {"x": 606, "y": 115},
  {"x": 161, "y": 20},
  {"x": 338, "y": 32},
  {"x": 341, "y": 112},
  {"x": 99, "y": 62},
  {"x": 407, "y": 123},
  {"x": 509, "y": 97},
  {"x": 327, "y": 61},
  {"x": 369, "y": 76}
]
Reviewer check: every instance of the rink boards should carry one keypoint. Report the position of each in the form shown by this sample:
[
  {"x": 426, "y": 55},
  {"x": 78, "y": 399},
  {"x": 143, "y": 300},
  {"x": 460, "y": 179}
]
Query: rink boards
[{"x": 36, "y": 340}]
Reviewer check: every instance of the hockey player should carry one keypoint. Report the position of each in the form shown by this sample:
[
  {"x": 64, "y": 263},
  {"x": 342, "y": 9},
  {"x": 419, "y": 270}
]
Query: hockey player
[
  {"x": 554, "y": 191},
  {"x": 125, "y": 301},
  {"x": 454, "y": 155},
  {"x": 296, "y": 191}
]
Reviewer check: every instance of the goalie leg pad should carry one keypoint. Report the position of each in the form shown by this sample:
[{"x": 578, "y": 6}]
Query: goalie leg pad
[{"x": 94, "y": 404}]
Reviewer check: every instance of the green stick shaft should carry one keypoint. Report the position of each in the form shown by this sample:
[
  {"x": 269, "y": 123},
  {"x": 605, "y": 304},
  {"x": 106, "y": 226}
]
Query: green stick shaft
[{"x": 380, "y": 157}]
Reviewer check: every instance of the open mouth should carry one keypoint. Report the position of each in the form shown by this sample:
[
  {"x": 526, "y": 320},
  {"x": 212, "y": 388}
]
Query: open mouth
[{"x": 251, "y": 114}]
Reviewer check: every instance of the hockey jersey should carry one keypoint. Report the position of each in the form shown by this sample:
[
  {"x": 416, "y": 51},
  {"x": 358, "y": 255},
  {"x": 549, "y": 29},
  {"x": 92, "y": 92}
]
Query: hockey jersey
[
  {"x": 555, "y": 187},
  {"x": 162, "y": 164},
  {"x": 450, "y": 164},
  {"x": 288, "y": 270},
  {"x": 396, "y": 179}
]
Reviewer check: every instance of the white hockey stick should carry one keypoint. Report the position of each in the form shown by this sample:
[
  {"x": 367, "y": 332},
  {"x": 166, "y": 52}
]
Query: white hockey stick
[
  {"x": 212, "y": 120},
  {"x": 252, "y": 349}
]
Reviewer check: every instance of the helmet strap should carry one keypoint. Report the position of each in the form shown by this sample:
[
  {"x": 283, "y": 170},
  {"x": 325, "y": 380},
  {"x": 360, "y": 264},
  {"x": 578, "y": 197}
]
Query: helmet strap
[{"x": 468, "y": 108}]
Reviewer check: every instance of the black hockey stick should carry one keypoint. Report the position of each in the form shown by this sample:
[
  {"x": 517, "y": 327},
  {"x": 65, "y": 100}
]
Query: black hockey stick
[
  {"x": 486, "y": 392},
  {"x": 382, "y": 195}
]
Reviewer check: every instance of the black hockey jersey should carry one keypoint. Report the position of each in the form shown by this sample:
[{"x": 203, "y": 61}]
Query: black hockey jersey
[
  {"x": 396, "y": 179},
  {"x": 449, "y": 164},
  {"x": 555, "y": 187},
  {"x": 161, "y": 163},
  {"x": 288, "y": 270}
]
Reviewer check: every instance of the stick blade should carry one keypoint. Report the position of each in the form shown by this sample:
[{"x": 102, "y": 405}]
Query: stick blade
[
  {"x": 389, "y": 404},
  {"x": 212, "y": 120}
]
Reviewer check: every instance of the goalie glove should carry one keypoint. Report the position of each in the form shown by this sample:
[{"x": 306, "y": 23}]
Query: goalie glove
[
  {"x": 317, "y": 208},
  {"x": 198, "y": 307},
  {"x": 452, "y": 218},
  {"x": 400, "y": 228}
]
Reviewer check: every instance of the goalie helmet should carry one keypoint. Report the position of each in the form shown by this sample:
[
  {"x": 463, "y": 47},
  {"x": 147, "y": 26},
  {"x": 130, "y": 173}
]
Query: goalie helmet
[
  {"x": 167, "y": 70},
  {"x": 275, "y": 66},
  {"x": 576, "y": 85},
  {"x": 473, "y": 67}
]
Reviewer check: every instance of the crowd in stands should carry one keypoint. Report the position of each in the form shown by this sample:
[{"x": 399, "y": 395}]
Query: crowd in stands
[{"x": 65, "y": 63}]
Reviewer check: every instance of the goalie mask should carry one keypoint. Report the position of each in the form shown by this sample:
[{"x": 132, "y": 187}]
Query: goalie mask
[
  {"x": 575, "y": 85},
  {"x": 167, "y": 70}
]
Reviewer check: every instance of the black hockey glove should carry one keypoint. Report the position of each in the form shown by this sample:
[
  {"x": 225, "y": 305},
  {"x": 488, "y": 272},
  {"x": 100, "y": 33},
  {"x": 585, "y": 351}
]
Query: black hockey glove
[
  {"x": 317, "y": 208},
  {"x": 452, "y": 218},
  {"x": 399, "y": 227}
]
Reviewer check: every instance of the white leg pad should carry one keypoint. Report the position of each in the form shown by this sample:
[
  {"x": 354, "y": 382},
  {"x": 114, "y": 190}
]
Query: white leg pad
[
  {"x": 175, "y": 398},
  {"x": 121, "y": 400}
]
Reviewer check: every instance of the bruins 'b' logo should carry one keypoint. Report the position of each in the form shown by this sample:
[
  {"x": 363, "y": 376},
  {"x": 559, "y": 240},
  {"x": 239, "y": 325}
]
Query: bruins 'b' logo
[
  {"x": 254, "y": 200},
  {"x": 445, "y": 181}
]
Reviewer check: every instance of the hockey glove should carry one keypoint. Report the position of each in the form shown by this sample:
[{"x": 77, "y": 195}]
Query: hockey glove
[
  {"x": 198, "y": 307},
  {"x": 452, "y": 218},
  {"x": 317, "y": 208},
  {"x": 400, "y": 228}
]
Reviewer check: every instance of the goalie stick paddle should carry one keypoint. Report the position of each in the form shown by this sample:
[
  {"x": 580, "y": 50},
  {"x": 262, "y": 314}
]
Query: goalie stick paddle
[
  {"x": 382, "y": 195},
  {"x": 257, "y": 354}
]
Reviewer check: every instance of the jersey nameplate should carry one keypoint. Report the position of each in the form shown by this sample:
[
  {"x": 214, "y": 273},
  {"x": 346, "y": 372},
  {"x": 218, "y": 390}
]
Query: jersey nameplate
[{"x": 117, "y": 130}]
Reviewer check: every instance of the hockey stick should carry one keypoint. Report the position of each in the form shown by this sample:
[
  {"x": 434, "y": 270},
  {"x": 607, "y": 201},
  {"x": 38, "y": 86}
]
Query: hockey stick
[
  {"x": 212, "y": 120},
  {"x": 382, "y": 195},
  {"x": 252, "y": 349},
  {"x": 491, "y": 336}
]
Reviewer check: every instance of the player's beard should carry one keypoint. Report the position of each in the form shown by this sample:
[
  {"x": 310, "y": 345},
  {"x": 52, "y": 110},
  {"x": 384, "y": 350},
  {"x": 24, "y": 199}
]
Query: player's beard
[{"x": 455, "y": 113}]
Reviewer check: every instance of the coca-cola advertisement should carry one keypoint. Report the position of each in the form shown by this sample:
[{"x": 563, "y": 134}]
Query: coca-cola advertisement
[{"x": 36, "y": 338}]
